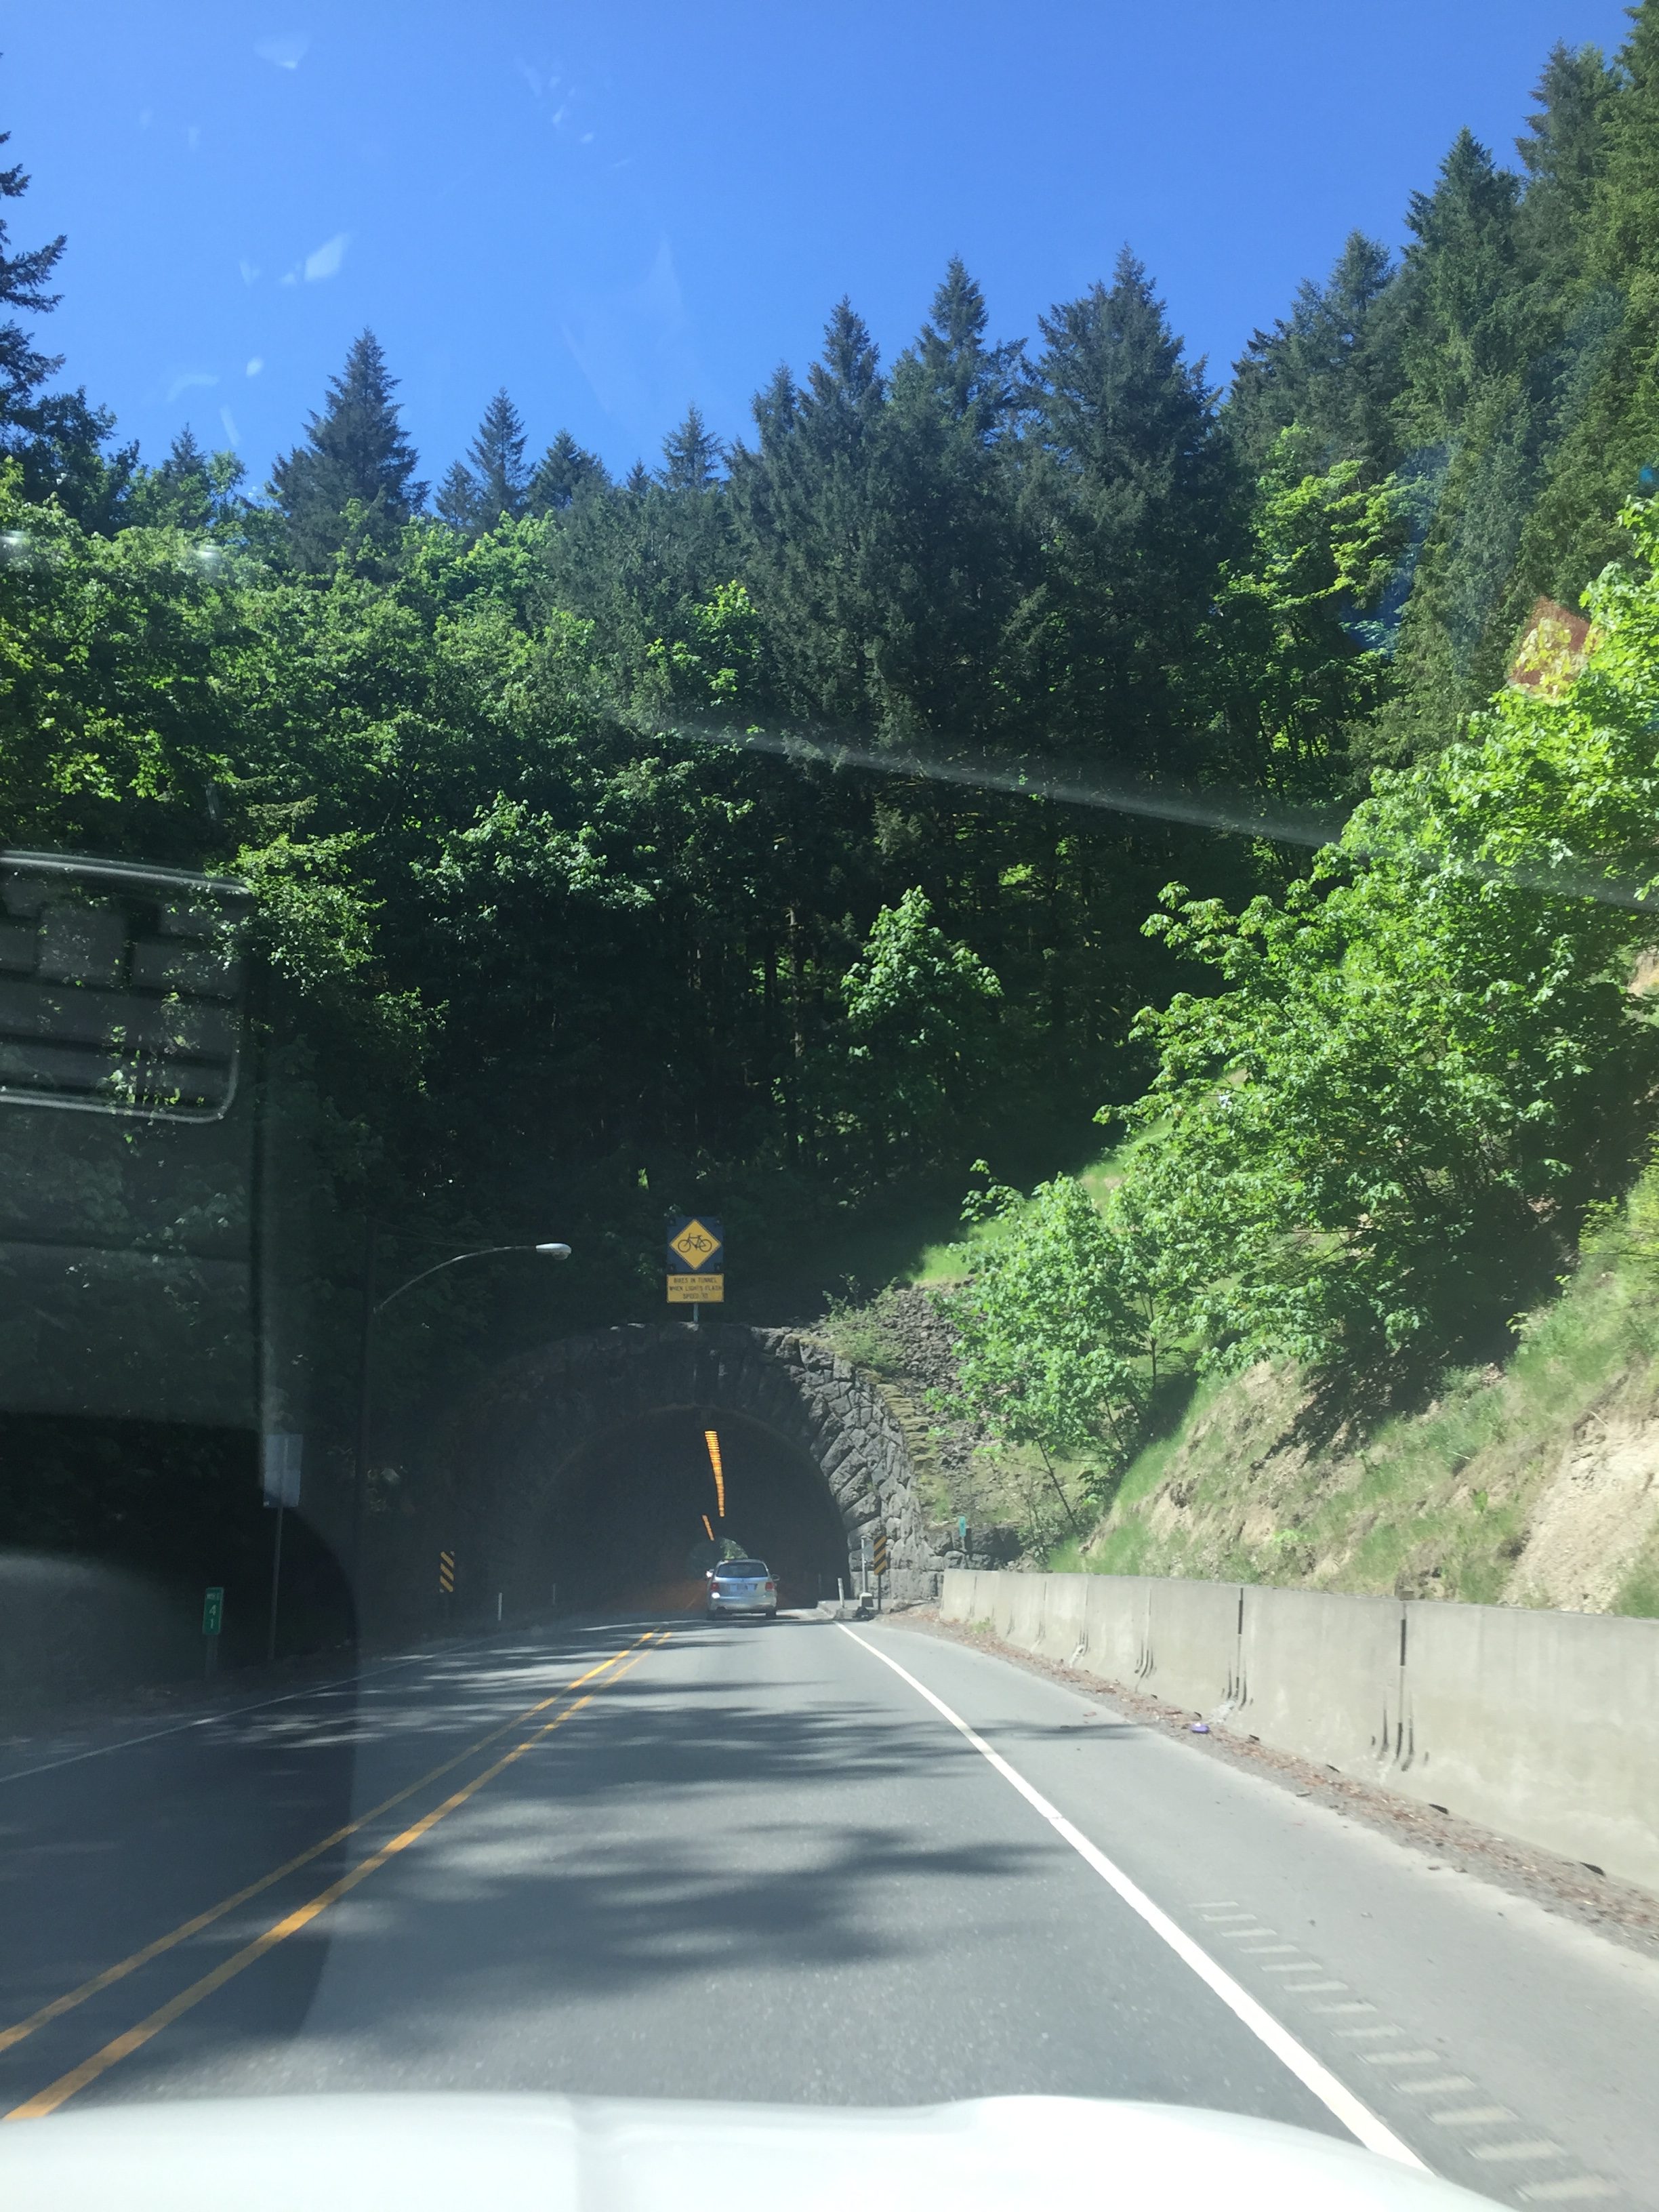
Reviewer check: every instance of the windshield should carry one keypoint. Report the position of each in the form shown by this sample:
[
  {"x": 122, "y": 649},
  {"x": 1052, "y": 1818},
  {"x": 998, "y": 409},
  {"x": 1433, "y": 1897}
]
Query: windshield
[{"x": 828, "y": 1064}]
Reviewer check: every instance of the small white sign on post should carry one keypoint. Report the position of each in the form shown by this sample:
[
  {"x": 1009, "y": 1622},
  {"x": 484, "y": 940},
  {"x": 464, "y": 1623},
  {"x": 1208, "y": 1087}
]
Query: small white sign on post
[{"x": 281, "y": 1469}]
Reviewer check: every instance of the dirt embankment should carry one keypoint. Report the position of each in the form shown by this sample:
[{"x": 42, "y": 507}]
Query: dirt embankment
[{"x": 1535, "y": 1484}]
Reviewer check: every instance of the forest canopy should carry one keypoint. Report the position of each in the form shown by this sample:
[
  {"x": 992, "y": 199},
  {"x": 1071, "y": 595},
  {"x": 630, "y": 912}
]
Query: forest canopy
[{"x": 626, "y": 844}]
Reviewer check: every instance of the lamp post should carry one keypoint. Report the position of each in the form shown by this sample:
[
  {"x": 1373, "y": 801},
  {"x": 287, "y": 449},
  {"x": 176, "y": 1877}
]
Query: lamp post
[{"x": 371, "y": 1308}]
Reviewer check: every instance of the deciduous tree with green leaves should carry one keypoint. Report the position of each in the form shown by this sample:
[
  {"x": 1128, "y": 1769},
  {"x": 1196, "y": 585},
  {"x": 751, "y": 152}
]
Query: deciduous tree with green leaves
[{"x": 1051, "y": 1330}]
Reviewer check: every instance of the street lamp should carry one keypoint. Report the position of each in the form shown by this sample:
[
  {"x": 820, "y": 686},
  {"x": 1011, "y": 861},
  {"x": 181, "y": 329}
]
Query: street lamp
[{"x": 372, "y": 1306}]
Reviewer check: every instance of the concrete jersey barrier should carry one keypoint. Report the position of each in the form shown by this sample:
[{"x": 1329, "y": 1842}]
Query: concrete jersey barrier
[{"x": 1542, "y": 1725}]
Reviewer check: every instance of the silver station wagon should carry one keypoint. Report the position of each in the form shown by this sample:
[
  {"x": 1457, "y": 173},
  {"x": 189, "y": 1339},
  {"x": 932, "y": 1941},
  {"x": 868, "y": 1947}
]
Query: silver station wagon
[{"x": 743, "y": 1586}]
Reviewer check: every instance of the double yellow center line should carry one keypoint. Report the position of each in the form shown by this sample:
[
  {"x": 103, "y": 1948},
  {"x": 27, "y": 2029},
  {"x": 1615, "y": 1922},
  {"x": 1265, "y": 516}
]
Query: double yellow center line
[{"x": 122, "y": 2046}]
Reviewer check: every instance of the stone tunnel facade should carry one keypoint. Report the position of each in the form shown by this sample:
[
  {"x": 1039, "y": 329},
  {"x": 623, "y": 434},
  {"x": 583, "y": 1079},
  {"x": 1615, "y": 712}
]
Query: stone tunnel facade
[{"x": 547, "y": 1407}]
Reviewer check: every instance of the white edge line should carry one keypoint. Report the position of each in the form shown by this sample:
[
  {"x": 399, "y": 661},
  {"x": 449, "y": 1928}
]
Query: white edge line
[{"x": 1358, "y": 2118}]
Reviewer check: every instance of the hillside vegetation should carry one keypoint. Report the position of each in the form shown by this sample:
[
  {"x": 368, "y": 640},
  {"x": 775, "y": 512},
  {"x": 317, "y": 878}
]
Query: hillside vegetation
[
  {"x": 1533, "y": 1481},
  {"x": 1536, "y": 1483},
  {"x": 773, "y": 831}
]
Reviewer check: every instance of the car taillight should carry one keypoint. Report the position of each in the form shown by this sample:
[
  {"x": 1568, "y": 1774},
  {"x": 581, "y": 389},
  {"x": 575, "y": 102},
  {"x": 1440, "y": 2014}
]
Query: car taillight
[{"x": 770, "y": 1587}]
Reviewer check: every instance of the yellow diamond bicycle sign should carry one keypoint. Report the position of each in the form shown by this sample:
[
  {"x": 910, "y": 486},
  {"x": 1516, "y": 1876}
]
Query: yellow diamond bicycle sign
[
  {"x": 696, "y": 1261},
  {"x": 694, "y": 1244}
]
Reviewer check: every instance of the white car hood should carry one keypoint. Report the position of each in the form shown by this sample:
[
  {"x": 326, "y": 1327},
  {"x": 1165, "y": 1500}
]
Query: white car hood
[{"x": 513, "y": 2153}]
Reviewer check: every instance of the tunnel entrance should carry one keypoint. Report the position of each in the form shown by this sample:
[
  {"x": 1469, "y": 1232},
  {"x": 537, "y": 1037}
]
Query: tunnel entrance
[
  {"x": 638, "y": 1511},
  {"x": 583, "y": 1465}
]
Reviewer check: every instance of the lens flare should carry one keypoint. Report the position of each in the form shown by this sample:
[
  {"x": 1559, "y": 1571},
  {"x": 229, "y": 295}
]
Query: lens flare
[{"x": 1234, "y": 812}]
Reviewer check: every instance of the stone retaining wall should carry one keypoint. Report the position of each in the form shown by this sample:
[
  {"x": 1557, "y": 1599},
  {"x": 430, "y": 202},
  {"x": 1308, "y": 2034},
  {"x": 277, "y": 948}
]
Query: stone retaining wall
[{"x": 547, "y": 1407}]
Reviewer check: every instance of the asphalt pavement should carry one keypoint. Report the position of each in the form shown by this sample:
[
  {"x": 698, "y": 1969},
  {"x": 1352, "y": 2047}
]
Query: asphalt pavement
[{"x": 795, "y": 1861}]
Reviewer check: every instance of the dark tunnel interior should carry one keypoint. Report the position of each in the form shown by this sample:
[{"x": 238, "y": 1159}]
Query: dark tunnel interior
[{"x": 629, "y": 1511}]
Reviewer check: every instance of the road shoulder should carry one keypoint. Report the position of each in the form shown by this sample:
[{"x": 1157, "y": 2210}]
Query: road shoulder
[{"x": 1616, "y": 1910}]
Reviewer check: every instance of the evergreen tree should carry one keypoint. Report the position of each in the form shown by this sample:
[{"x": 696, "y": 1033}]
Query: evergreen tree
[
  {"x": 642, "y": 566},
  {"x": 1465, "y": 282},
  {"x": 23, "y": 280},
  {"x": 1564, "y": 153},
  {"x": 565, "y": 472},
  {"x": 456, "y": 499},
  {"x": 845, "y": 384},
  {"x": 1331, "y": 368},
  {"x": 1595, "y": 148},
  {"x": 1138, "y": 504},
  {"x": 978, "y": 386},
  {"x": 356, "y": 451},
  {"x": 1508, "y": 336},
  {"x": 945, "y": 503},
  {"x": 59, "y": 436},
  {"x": 186, "y": 462},
  {"x": 773, "y": 407},
  {"x": 1629, "y": 206},
  {"x": 805, "y": 501},
  {"x": 493, "y": 481},
  {"x": 692, "y": 455},
  {"x": 498, "y": 468}
]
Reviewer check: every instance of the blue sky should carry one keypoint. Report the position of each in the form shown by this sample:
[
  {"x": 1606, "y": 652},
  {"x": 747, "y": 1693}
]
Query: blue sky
[{"x": 617, "y": 208}]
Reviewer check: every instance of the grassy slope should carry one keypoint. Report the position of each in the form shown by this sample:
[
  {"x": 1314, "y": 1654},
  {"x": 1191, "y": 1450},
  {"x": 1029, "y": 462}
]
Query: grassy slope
[{"x": 1533, "y": 1485}]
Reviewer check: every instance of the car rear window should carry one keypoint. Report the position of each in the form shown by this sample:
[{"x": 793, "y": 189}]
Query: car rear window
[{"x": 742, "y": 1570}]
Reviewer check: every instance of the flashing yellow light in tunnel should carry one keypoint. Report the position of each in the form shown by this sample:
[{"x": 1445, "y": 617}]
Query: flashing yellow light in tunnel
[
  {"x": 714, "y": 1443},
  {"x": 705, "y": 1523}
]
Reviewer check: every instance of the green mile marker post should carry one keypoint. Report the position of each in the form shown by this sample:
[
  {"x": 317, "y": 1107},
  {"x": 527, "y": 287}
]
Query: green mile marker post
[{"x": 213, "y": 1619}]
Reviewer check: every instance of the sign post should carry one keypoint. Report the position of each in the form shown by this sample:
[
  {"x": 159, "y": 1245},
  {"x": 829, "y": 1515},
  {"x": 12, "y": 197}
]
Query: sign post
[
  {"x": 445, "y": 1581},
  {"x": 213, "y": 1619},
  {"x": 695, "y": 1261},
  {"x": 879, "y": 1562},
  {"x": 281, "y": 1474}
]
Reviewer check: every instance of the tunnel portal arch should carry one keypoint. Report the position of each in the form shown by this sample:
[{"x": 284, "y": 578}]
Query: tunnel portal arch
[{"x": 544, "y": 1412}]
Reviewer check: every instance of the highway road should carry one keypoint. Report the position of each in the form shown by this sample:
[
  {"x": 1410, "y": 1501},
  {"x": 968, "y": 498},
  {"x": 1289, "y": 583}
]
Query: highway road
[{"x": 802, "y": 1861}]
